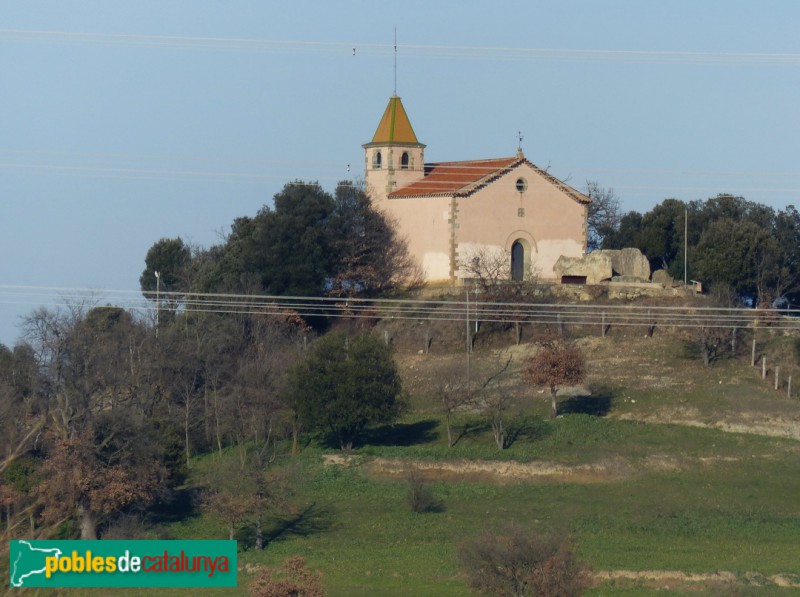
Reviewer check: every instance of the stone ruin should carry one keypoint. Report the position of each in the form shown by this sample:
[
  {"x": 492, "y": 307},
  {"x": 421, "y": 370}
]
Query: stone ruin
[{"x": 624, "y": 265}]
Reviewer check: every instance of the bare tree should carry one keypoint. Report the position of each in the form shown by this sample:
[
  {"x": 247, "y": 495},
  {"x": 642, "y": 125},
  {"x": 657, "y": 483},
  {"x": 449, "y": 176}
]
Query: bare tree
[
  {"x": 710, "y": 342},
  {"x": 490, "y": 268},
  {"x": 604, "y": 214},
  {"x": 453, "y": 395},
  {"x": 558, "y": 363},
  {"x": 494, "y": 401}
]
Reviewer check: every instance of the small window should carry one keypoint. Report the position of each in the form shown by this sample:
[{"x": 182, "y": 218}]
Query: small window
[
  {"x": 522, "y": 185},
  {"x": 404, "y": 161},
  {"x": 520, "y": 212},
  {"x": 376, "y": 160}
]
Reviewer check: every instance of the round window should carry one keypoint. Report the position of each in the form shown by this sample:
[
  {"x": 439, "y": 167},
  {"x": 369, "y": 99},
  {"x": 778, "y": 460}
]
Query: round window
[{"x": 522, "y": 184}]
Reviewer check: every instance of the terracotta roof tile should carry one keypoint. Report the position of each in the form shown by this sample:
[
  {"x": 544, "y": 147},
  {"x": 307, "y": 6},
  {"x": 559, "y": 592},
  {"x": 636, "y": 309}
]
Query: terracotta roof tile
[
  {"x": 449, "y": 178},
  {"x": 462, "y": 179}
]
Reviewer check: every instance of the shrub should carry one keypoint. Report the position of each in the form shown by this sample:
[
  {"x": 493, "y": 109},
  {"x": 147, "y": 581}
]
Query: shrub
[
  {"x": 517, "y": 564},
  {"x": 420, "y": 495},
  {"x": 295, "y": 580}
]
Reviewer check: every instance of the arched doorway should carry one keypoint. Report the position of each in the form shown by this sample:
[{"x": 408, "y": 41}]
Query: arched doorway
[{"x": 518, "y": 261}]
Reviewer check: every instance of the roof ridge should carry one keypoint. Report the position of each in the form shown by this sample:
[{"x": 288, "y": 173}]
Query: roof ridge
[
  {"x": 473, "y": 178},
  {"x": 472, "y": 161}
]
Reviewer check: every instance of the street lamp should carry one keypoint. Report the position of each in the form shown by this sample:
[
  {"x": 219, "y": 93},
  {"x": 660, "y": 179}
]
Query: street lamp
[{"x": 158, "y": 303}]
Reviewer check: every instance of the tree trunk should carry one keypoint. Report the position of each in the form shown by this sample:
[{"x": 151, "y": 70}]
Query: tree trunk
[
  {"x": 88, "y": 523},
  {"x": 449, "y": 431},
  {"x": 259, "y": 534},
  {"x": 499, "y": 433},
  {"x": 295, "y": 439},
  {"x": 706, "y": 354},
  {"x": 186, "y": 431},
  {"x": 553, "y": 404}
]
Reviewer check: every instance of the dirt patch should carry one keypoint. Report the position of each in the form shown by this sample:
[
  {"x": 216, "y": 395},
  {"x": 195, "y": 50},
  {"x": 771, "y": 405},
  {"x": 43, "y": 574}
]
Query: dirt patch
[
  {"x": 338, "y": 459},
  {"x": 503, "y": 471},
  {"x": 500, "y": 471},
  {"x": 750, "y": 423},
  {"x": 675, "y": 579}
]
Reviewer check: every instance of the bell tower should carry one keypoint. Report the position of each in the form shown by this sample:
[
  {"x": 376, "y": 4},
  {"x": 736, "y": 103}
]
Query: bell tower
[{"x": 394, "y": 158}]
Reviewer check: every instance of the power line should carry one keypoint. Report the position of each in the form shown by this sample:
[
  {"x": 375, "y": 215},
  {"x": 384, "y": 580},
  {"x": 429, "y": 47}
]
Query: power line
[
  {"x": 441, "y": 310},
  {"x": 444, "y": 183},
  {"x": 346, "y": 48}
]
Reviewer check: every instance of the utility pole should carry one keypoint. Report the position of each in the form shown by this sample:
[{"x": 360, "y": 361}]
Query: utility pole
[
  {"x": 469, "y": 347},
  {"x": 158, "y": 299},
  {"x": 476, "y": 307},
  {"x": 685, "y": 243}
]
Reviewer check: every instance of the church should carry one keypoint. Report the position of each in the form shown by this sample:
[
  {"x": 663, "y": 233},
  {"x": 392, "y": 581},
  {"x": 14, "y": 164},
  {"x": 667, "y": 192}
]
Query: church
[{"x": 452, "y": 213}]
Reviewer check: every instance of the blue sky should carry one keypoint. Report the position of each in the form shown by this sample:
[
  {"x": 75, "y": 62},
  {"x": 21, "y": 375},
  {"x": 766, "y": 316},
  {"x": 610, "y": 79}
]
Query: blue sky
[{"x": 122, "y": 121}]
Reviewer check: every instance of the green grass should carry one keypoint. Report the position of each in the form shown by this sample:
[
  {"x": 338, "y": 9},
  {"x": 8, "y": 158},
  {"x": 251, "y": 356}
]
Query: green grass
[
  {"x": 693, "y": 499},
  {"x": 738, "y": 515}
]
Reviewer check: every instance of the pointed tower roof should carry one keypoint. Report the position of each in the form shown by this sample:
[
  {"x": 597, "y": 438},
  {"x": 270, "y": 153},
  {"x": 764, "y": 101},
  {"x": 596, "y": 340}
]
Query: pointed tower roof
[{"x": 394, "y": 128}]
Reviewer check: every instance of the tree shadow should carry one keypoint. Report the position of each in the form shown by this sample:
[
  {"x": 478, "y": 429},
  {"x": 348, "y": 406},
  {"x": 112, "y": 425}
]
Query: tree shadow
[
  {"x": 179, "y": 505},
  {"x": 598, "y": 403},
  {"x": 472, "y": 427},
  {"x": 402, "y": 434},
  {"x": 310, "y": 520},
  {"x": 529, "y": 428}
]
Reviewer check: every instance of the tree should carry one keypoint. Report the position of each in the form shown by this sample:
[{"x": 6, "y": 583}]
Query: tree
[
  {"x": 490, "y": 269},
  {"x": 558, "y": 363},
  {"x": 604, "y": 215},
  {"x": 170, "y": 257},
  {"x": 710, "y": 342},
  {"x": 453, "y": 395},
  {"x": 345, "y": 385},
  {"x": 98, "y": 472},
  {"x": 98, "y": 454},
  {"x": 371, "y": 259},
  {"x": 494, "y": 402},
  {"x": 518, "y": 563},
  {"x": 744, "y": 256}
]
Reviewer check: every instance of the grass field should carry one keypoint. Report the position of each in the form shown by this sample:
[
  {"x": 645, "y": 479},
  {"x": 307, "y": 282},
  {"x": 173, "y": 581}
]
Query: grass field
[{"x": 645, "y": 475}]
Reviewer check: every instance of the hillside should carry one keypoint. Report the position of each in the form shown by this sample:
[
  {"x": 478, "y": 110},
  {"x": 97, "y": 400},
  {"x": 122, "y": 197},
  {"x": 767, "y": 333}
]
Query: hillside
[{"x": 670, "y": 476}]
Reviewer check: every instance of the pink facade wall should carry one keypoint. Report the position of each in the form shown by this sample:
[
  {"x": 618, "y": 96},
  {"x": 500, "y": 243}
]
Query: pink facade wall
[{"x": 551, "y": 222}]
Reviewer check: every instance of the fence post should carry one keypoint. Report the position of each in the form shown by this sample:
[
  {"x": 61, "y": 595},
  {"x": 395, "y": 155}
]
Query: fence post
[
  {"x": 763, "y": 367},
  {"x": 777, "y": 377},
  {"x": 603, "y": 325},
  {"x": 560, "y": 325},
  {"x": 789, "y": 387},
  {"x": 733, "y": 341},
  {"x": 753, "y": 357}
]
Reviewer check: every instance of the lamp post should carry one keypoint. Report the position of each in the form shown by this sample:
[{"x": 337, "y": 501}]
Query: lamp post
[{"x": 158, "y": 298}]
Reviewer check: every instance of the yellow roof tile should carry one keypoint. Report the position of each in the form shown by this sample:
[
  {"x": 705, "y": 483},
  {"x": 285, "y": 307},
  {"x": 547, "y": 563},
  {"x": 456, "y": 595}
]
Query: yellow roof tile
[{"x": 395, "y": 126}]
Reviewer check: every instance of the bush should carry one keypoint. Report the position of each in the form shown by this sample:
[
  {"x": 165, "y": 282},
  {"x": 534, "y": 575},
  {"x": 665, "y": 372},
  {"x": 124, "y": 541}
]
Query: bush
[
  {"x": 420, "y": 495},
  {"x": 295, "y": 580},
  {"x": 517, "y": 564}
]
